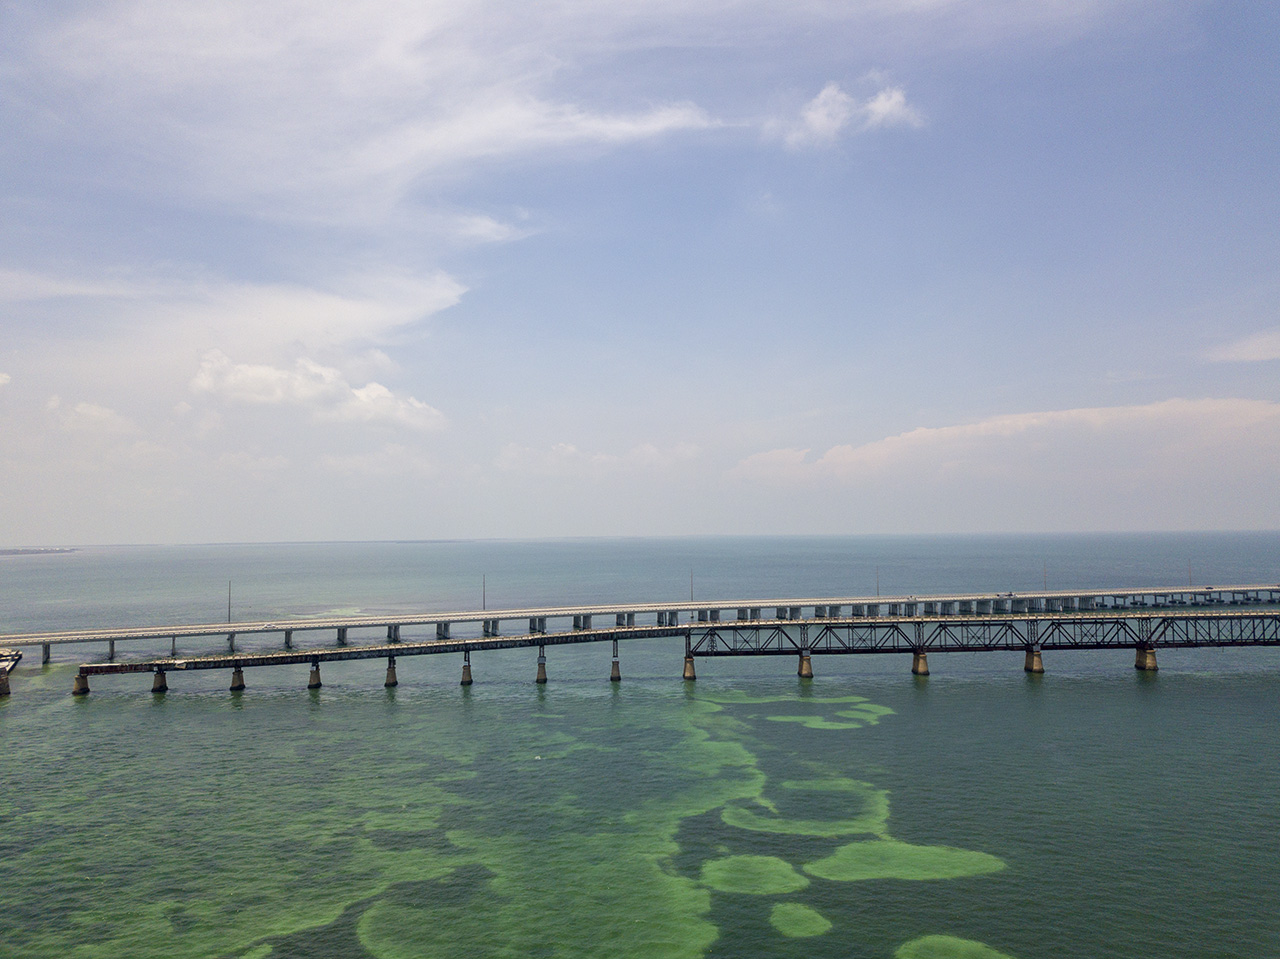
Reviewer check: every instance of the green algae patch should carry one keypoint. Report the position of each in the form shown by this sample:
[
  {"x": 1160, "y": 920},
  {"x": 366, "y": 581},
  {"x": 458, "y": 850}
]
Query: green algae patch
[
  {"x": 947, "y": 947},
  {"x": 797, "y": 921},
  {"x": 754, "y": 875},
  {"x": 890, "y": 859},
  {"x": 731, "y": 697},
  {"x": 813, "y": 722},
  {"x": 870, "y": 804},
  {"x": 868, "y": 713}
]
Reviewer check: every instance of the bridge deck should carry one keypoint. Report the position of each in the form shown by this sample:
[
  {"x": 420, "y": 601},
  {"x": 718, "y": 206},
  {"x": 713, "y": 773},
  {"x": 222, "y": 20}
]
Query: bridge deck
[{"x": 1109, "y": 599}]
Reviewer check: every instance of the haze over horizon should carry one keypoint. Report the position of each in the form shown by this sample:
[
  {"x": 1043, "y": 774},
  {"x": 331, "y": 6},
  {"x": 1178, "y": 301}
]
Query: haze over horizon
[{"x": 427, "y": 270}]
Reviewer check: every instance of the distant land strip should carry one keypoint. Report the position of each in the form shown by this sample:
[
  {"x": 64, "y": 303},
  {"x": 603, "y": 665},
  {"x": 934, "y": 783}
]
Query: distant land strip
[{"x": 38, "y": 552}]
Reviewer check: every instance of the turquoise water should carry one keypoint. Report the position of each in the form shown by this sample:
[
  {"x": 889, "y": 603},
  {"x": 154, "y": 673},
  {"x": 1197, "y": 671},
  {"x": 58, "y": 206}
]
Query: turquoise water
[{"x": 979, "y": 812}]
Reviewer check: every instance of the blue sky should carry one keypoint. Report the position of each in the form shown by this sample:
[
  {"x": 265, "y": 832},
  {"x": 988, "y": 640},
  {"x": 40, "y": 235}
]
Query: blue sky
[{"x": 392, "y": 269}]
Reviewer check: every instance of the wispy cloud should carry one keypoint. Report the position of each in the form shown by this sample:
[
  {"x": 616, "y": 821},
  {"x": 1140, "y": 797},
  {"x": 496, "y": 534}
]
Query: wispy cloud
[
  {"x": 833, "y": 112},
  {"x": 1258, "y": 348},
  {"x": 91, "y": 418},
  {"x": 319, "y": 389},
  {"x": 1099, "y": 439}
]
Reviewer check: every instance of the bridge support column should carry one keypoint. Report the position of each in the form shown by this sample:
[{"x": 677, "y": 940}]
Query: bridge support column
[
  {"x": 237, "y": 679},
  {"x": 313, "y": 681},
  {"x": 173, "y": 645},
  {"x": 1033, "y": 663},
  {"x": 342, "y": 635},
  {"x": 45, "y": 654},
  {"x": 466, "y": 667},
  {"x": 919, "y": 663},
  {"x": 4, "y": 681},
  {"x": 806, "y": 666},
  {"x": 615, "y": 672},
  {"x": 288, "y": 639},
  {"x": 111, "y": 649},
  {"x": 542, "y": 666},
  {"x": 391, "y": 673},
  {"x": 1145, "y": 659},
  {"x": 231, "y": 642},
  {"x": 81, "y": 688},
  {"x": 158, "y": 683}
]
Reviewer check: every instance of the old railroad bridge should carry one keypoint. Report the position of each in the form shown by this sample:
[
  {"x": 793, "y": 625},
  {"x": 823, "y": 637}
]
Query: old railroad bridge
[{"x": 1144, "y": 620}]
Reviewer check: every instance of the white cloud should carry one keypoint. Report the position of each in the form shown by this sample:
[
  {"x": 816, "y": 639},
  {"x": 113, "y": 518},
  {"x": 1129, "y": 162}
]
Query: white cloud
[
  {"x": 319, "y": 389},
  {"x": 833, "y": 112},
  {"x": 1163, "y": 440},
  {"x": 1257, "y": 348},
  {"x": 92, "y": 418}
]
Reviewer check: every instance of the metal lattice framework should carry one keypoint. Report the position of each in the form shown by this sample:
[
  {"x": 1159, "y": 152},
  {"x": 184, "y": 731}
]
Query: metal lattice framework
[{"x": 978, "y": 634}]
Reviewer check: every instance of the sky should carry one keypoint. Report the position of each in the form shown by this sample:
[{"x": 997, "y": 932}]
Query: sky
[{"x": 297, "y": 270}]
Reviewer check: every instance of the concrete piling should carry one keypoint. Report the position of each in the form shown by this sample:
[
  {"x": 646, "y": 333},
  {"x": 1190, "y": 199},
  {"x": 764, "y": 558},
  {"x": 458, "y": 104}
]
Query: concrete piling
[
  {"x": 689, "y": 672},
  {"x": 4, "y": 682},
  {"x": 45, "y": 654},
  {"x": 806, "y": 666},
  {"x": 1145, "y": 659},
  {"x": 111, "y": 649},
  {"x": 1033, "y": 663},
  {"x": 615, "y": 673},
  {"x": 391, "y": 673},
  {"x": 237, "y": 679},
  {"x": 466, "y": 667},
  {"x": 919, "y": 663},
  {"x": 313, "y": 682},
  {"x": 542, "y": 666},
  {"x": 159, "y": 684},
  {"x": 81, "y": 688}
]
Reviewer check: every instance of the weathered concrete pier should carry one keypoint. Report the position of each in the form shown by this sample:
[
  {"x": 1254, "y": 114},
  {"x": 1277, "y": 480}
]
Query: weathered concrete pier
[{"x": 1142, "y": 620}]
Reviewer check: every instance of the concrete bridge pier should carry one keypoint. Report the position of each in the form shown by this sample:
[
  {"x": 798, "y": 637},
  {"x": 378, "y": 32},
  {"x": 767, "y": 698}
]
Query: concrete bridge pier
[
  {"x": 466, "y": 667},
  {"x": 313, "y": 681},
  {"x": 111, "y": 649},
  {"x": 806, "y": 667},
  {"x": 231, "y": 642},
  {"x": 1145, "y": 659},
  {"x": 4, "y": 681},
  {"x": 237, "y": 678},
  {"x": 288, "y": 639},
  {"x": 159, "y": 684},
  {"x": 81, "y": 688},
  {"x": 615, "y": 672},
  {"x": 45, "y": 654},
  {"x": 391, "y": 673},
  {"x": 1033, "y": 664},
  {"x": 342, "y": 635},
  {"x": 919, "y": 663},
  {"x": 689, "y": 672},
  {"x": 542, "y": 666},
  {"x": 173, "y": 645}
]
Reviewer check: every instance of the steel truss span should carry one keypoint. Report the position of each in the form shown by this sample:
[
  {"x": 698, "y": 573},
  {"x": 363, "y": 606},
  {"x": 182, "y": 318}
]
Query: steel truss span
[{"x": 982, "y": 634}]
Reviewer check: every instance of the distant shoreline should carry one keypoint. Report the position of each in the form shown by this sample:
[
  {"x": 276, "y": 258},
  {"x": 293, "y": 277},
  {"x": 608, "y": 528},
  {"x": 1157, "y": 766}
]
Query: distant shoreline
[{"x": 38, "y": 552}]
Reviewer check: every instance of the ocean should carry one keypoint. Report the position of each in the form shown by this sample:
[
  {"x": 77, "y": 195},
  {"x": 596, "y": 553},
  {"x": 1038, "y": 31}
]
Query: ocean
[{"x": 978, "y": 812}]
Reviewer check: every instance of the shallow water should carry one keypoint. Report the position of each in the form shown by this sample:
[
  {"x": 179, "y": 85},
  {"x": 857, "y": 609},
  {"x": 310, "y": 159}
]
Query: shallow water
[{"x": 978, "y": 812}]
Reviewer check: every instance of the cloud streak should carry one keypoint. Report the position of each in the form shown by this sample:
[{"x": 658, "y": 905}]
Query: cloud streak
[
  {"x": 1099, "y": 439},
  {"x": 1258, "y": 348},
  {"x": 320, "y": 390},
  {"x": 833, "y": 113}
]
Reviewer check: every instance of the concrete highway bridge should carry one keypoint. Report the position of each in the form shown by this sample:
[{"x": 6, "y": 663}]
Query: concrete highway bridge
[{"x": 1144, "y": 620}]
